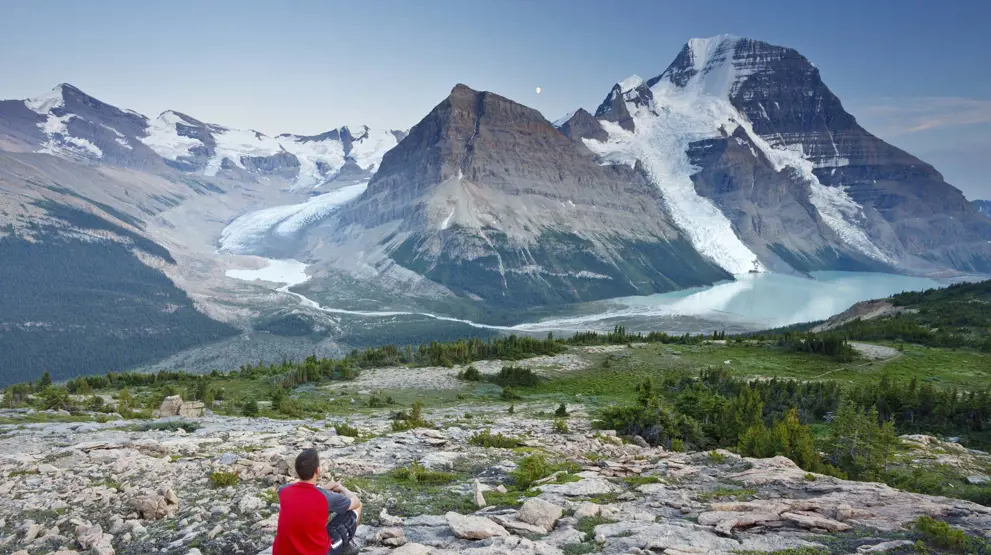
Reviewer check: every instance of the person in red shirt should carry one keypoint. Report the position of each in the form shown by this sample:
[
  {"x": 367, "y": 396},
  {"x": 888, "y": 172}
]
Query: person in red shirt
[{"x": 305, "y": 523}]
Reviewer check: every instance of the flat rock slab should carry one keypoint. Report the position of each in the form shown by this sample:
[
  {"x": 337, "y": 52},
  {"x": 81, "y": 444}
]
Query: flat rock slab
[
  {"x": 469, "y": 527},
  {"x": 585, "y": 487}
]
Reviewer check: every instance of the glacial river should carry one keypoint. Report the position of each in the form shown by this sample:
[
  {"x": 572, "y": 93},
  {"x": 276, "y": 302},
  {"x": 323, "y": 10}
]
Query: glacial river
[{"x": 752, "y": 302}]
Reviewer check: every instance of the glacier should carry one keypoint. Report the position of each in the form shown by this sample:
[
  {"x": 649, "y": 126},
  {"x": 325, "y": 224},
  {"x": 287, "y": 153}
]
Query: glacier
[{"x": 248, "y": 231}]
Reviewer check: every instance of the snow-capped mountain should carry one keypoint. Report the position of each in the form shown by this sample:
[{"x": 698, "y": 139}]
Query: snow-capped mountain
[
  {"x": 984, "y": 207},
  {"x": 68, "y": 122},
  {"x": 756, "y": 159},
  {"x": 488, "y": 199}
]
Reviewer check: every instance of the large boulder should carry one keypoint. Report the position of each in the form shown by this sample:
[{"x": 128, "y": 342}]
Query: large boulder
[
  {"x": 175, "y": 406},
  {"x": 540, "y": 513},
  {"x": 469, "y": 527},
  {"x": 157, "y": 505}
]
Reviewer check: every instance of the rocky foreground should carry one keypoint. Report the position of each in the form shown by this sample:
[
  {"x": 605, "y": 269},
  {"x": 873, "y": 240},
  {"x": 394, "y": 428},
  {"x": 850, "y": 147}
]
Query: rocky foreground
[{"x": 112, "y": 489}]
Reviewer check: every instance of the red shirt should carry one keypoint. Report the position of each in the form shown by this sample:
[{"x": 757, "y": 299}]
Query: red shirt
[{"x": 304, "y": 510}]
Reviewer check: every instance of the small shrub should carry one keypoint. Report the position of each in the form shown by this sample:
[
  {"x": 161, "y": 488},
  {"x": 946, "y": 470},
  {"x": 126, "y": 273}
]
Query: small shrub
[
  {"x": 940, "y": 534},
  {"x": 717, "y": 457},
  {"x": 810, "y": 477},
  {"x": 512, "y": 409},
  {"x": 403, "y": 421},
  {"x": 250, "y": 408},
  {"x": 486, "y": 438},
  {"x": 560, "y": 426},
  {"x": 377, "y": 402},
  {"x": 470, "y": 374},
  {"x": 509, "y": 395},
  {"x": 534, "y": 467},
  {"x": 516, "y": 376},
  {"x": 346, "y": 430},
  {"x": 677, "y": 445},
  {"x": 562, "y": 411},
  {"x": 291, "y": 407},
  {"x": 223, "y": 479},
  {"x": 270, "y": 496}
]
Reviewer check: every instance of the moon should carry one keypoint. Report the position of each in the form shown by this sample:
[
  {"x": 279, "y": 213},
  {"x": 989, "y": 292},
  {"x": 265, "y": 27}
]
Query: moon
[{"x": 538, "y": 90}]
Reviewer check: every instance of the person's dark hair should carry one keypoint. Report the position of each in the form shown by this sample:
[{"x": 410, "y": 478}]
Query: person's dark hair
[{"x": 307, "y": 463}]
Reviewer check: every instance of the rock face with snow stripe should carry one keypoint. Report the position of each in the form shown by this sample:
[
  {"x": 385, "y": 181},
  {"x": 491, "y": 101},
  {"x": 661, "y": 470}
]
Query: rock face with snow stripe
[
  {"x": 983, "y": 206},
  {"x": 68, "y": 122},
  {"x": 486, "y": 197},
  {"x": 747, "y": 144}
]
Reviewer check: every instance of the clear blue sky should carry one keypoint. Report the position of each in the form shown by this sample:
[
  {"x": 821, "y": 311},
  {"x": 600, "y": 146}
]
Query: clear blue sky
[{"x": 917, "y": 73}]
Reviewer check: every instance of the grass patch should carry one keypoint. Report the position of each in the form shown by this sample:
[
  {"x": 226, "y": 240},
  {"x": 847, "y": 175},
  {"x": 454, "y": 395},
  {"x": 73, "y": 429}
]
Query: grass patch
[
  {"x": 580, "y": 548},
  {"x": 486, "y": 438},
  {"x": 411, "y": 492},
  {"x": 513, "y": 497},
  {"x": 589, "y": 523},
  {"x": 726, "y": 493},
  {"x": 535, "y": 467},
  {"x": 221, "y": 479},
  {"x": 560, "y": 426},
  {"x": 416, "y": 473},
  {"x": 635, "y": 481},
  {"x": 716, "y": 457}
]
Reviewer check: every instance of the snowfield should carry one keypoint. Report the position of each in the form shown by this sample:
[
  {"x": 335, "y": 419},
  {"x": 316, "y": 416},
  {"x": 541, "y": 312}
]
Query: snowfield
[{"x": 319, "y": 159}]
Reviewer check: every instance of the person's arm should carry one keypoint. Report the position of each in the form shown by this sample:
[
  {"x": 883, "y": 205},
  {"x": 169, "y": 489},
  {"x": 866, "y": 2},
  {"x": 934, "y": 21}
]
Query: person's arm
[{"x": 341, "y": 489}]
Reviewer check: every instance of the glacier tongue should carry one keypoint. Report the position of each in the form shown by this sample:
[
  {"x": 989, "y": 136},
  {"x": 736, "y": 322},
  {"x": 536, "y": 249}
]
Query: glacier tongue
[
  {"x": 247, "y": 232},
  {"x": 660, "y": 142}
]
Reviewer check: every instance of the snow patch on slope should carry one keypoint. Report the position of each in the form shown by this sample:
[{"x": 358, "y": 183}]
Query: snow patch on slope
[
  {"x": 370, "y": 145},
  {"x": 248, "y": 231},
  {"x": 311, "y": 154},
  {"x": 232, "y": 144},
  {"x": 564, "y": 119},
  {"x": 55, "y": 126},
  {"x": 164, "y": 138},
  {"x": 47, "y": 102}
]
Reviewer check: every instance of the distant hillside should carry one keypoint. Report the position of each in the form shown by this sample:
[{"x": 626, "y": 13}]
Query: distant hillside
[{"x": 955, "y": 316}]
